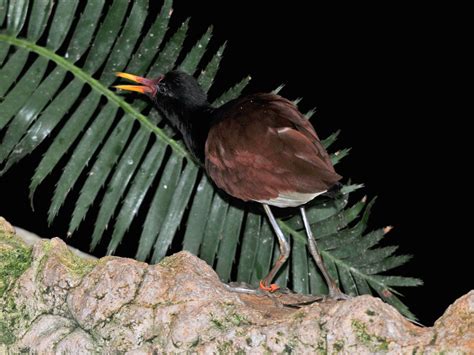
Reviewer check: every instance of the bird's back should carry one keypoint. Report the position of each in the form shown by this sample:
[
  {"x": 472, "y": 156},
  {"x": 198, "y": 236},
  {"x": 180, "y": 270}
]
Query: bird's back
[{"x": 261, "y": 148}]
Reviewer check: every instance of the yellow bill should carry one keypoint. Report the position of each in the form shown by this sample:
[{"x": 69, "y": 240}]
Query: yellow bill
[{"x": 148, "y": 87}]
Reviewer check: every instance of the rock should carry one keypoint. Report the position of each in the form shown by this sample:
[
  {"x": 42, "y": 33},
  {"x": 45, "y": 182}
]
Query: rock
[{"x": 56, "y": 302}]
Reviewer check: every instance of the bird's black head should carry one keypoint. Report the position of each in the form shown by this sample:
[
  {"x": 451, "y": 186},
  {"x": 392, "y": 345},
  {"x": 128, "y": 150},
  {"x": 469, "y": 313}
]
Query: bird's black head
[
  {"x": 177, "y": 87},
  {"x": 174, "y": 90},
  {"x": 181, "y": 100}
]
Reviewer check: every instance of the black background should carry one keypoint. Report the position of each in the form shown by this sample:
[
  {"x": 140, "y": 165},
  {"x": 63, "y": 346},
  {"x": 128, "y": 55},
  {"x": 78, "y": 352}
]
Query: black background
[{"x": 393, "y": 79}]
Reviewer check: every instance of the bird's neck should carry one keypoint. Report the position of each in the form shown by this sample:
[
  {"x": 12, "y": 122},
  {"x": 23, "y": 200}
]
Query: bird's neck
[{"x": 192, "y": 122}]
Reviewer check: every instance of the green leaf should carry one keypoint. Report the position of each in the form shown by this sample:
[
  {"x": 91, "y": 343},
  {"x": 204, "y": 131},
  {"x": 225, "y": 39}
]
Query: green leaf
[
  {"x": 388, "y": 296},
  {"x": 282, "y": 277},
  {"x": 339, "y": 155},
  {"x": 249, "y": 250},
  {"x": 300, "y": 267},
  {"x": 206, "y": 78},
  {"x": 126, "y": 42},
  {"x": 123, "y": 173},
  {"x": 143, "y": 57},
  {"x": 363, "y": 287},
  {"x": 310, "y": 114},
  {"x": 43, "y": 126},
  {"x": 228, "y": 245},
  {"x": 278, "y": 89},
  {"x": 175, "y": 212},
  {"x": 347, "y": 281},
  {"x": 170, "y": 52},
  {"x": 54, "y": 89},
  {"x": 263, "y": 259},
  {"x": 347, "y": 189},
  {"x": 386, "y": 264},
  {"x": 348, "y": 237},
  {"x": 61, "y": 23},
  {"x": 194, "y": 56},
  {"x": 106, "y": 36},
  {"x": 196, "y": 223},
  {"x": 214, "y": 229},
  {"x": 399, "y": 281},
  {"x": 233, "y": 92},
  {"x": 17, "y": 11},
  {"x": 159, "y": 207},
  {"x": 336, "y": 222},
  {"x": 331, "y": 139},
  {"x": 3, "y": 11},
  {"x": 80, "y": 158},
  {"x": 100, "y": 171},
  {"x": 84, "y": 31},
  {"x": 15, "y": 100},
  {"x": 135, "y": 196},
  {"x": 316, "y": 282},
  {"x": 40, "y": 12},
  {"x": 64, "y": 140},
  {"x": 11, "y": 70},
  {"x": 319, "y": 211}
]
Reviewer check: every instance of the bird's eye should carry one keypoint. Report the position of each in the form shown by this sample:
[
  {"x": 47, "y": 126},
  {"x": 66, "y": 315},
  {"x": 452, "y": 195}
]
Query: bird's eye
[{"x": 163, "y": 88}]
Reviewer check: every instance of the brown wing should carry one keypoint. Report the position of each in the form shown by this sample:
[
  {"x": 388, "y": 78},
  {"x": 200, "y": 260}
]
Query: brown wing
[{"x": 262, "y": 146}]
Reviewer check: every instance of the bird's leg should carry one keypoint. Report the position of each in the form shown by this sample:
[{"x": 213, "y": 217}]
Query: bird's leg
[
  {"x": 266, "y": 284},
  {"x": 334, "y": 291}
]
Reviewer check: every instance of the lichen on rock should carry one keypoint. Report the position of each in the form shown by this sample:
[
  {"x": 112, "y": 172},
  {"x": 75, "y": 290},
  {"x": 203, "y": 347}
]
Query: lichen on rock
[
  {"x": 15, "y": 256},
  {"x": 56, "y": 302}
]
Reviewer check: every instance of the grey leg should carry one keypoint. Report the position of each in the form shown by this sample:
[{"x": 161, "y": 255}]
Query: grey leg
[
  {"x": 334, "y": 291},
  {"x": 284, "y": 251}
]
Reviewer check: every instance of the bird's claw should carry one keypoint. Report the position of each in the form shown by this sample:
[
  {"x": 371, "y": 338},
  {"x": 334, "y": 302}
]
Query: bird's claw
[
  {"x": 337, "y": 295},
  {"x": 272, "y": 288}
]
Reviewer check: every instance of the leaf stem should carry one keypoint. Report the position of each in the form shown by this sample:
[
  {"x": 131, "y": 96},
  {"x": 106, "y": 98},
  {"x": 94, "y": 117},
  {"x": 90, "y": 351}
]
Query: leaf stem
[
  {"x": 339, "y": 262},
  {"x": 98, "y": 86}
]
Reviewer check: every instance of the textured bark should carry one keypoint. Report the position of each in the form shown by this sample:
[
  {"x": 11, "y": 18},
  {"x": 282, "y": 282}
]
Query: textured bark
[{"x": 56, "y": 302}]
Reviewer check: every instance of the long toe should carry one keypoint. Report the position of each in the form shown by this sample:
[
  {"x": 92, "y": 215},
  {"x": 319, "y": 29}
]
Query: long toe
[
  {"x": 338, "y": 295},
  {"x": 242, "y": 288}
]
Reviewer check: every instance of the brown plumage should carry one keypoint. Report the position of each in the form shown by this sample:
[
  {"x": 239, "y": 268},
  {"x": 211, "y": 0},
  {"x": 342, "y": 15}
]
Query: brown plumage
[
  {"x": 256, "y": 148},
  {"x": 261, "y": 147}
]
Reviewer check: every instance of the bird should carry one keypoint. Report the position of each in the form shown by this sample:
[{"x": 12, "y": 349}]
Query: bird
[{"x": 257, "y": 148}]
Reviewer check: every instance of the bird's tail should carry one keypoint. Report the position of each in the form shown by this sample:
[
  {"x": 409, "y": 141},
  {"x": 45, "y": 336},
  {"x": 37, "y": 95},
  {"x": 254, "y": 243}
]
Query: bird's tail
[{"x": 334, "y": 191}]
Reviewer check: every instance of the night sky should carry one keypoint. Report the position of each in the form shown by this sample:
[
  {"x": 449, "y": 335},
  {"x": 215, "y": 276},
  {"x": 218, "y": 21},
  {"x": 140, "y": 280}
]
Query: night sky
[{"x": 393, "y": 80}]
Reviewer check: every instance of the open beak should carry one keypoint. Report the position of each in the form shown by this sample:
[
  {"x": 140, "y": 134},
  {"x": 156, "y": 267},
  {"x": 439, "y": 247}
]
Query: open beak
[{"x": 148, "y": 85}]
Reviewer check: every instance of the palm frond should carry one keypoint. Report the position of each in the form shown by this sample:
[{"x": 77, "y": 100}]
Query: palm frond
[{"x": 56, "y": 67}]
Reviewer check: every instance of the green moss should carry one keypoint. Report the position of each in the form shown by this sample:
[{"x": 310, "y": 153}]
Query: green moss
[
  {"x": 171, "y": 262},
  {"x": 268, "y": 350},
  {"x": 322, "y": 345},
  {"x": 6, "y": 335},
  {"x": 9, "y": 315},
  {"x": 77, "y": 265},
  {"x": 338, "y": 345},
  {"x": 217, "y": 323},
  {"x": 370, "y": 313},
  {"x": 288, "y": 349},
  {"x": 47, "y": 246},
  {"x": 230, "y": 319},
  {"x": 15, "y": 258},
  {"x": 237, "y": 319},
  {"x": 226, "y": 347},
  {"x": 299, "y": 315},
  {"x": 433, "y": 339},
  {"x": 371, "y": 341}
]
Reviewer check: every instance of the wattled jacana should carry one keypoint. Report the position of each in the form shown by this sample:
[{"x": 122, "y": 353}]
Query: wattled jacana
[{"x": 255, "y": 148}]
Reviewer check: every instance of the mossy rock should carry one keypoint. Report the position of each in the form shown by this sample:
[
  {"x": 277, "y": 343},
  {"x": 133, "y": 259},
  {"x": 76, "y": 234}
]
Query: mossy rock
[{"x": 15, "y": 256}]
